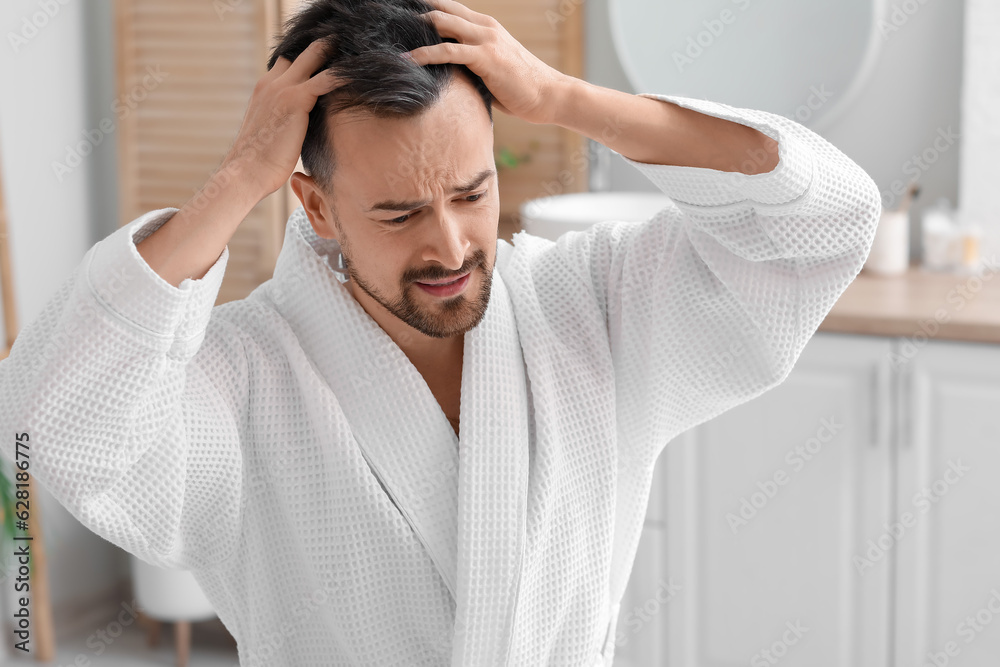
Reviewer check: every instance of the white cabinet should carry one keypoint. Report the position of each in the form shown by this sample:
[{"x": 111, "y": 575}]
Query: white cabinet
[
  {"x": 773, "y": 525},
  {"x": 948, "y": 562}
]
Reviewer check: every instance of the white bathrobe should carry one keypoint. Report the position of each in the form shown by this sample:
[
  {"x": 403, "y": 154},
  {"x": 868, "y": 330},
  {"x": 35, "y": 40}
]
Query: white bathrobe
[{"x": 284, "y": 449}]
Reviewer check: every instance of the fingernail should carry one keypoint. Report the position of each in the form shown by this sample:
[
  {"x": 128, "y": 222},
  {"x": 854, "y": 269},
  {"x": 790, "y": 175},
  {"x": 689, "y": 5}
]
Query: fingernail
[{"x": 406, "y": 56}]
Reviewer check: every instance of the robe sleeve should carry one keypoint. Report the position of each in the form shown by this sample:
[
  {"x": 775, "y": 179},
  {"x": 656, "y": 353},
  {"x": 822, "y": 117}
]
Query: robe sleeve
[
  {"x": 132, "y": 400},
  {"x": 710, "y": 303}
]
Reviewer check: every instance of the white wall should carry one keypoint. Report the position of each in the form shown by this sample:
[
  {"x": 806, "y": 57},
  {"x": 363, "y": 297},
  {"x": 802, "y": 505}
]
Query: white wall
[
  {"x": 914, "y": 90},
  {"x": 980, "y": 170},
  {"x": 54, "y": 85}
]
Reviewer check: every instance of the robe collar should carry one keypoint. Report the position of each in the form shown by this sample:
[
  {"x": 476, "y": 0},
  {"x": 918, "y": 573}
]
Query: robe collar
[{"x": 464, "y": 497}]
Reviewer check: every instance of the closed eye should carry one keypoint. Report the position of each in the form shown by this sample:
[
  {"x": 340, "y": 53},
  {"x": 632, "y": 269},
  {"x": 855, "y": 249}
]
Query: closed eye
[{"x": 403, "y": 218}]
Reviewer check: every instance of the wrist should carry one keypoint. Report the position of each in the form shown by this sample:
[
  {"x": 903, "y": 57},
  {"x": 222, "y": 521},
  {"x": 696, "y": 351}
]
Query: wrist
[
  {"x": 238, "y": 179},
  {"x": 559, "y": 108}
]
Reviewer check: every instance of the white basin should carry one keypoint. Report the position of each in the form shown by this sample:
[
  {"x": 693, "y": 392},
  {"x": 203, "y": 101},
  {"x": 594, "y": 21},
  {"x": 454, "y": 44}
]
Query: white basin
[{"x": 551, "y": 217}]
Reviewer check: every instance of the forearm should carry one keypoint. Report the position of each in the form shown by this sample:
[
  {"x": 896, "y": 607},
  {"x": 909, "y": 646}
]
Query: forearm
[
  {"x": 658, "y": 132},
  {"x": 190, "y": 242}
]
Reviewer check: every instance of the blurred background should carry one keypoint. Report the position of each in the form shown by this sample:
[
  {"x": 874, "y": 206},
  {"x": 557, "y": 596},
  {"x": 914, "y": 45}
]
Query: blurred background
[{"x": 110, "y": 108}]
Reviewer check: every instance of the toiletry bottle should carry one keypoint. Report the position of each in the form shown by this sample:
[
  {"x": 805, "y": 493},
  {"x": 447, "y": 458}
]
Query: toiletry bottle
[
  {"x": 970, "y": 235},
  {"x": 940, "y": 237}
]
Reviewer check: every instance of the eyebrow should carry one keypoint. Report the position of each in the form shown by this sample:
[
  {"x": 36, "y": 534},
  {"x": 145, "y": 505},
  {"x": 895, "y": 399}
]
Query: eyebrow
[{"x": 396, "y": 205}]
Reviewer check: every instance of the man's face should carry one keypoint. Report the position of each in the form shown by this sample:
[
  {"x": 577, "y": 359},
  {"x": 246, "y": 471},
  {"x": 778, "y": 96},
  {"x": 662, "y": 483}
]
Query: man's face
[{"x": 415, "y": 199}]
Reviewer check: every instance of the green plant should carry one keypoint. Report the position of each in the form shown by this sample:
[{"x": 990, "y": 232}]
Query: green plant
[
  {"x": 6, "y": 516},
  {"x": 8, "y": 526},
  {"x": 505, "y": 158}
]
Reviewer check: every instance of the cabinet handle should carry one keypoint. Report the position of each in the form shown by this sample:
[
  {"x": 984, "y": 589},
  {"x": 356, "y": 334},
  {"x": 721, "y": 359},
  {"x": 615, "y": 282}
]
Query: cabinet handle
[
  {"x": 876, "y": 405},
  {"x": 905, "y": 402},
  {"x": 879, "y": 402}
]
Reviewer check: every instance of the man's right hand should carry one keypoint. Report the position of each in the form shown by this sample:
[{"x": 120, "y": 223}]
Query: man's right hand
[{"x": 269, "y": 141}]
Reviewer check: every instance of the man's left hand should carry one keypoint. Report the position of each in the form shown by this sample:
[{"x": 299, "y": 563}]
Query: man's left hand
[{"x": 521, "y": 84}]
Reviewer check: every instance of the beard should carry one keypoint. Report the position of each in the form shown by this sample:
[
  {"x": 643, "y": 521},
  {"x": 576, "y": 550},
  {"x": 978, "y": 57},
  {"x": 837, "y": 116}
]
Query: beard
[{"x": 446, "y": 316}]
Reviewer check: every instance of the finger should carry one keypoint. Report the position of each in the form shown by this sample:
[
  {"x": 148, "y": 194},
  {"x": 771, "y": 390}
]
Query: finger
[
  {"x": 458, "y": 9},
  {"x": 446, "y": 52},
  {"x": 323, "y": 83},
  {"x": 307, "y": 62},
  {"x": 281, "y": 65},
  {"x": 457, "y": 27}
]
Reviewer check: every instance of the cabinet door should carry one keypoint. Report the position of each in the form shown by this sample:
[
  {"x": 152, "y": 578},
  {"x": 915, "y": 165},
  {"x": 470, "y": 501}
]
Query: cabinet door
[
  {"x": 948, "y": 504},
  {"x": 762, "y": 513}
]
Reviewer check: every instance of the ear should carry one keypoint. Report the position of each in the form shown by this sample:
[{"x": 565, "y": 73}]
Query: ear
[{"x": 314, "y": 202}]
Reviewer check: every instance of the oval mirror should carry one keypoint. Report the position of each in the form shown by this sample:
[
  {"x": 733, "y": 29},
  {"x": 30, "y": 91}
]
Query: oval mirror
[{"x": 803, "y": 60}]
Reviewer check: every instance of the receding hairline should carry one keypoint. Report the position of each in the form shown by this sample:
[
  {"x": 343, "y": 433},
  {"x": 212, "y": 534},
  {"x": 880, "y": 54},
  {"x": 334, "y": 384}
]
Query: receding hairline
[{"x": 364, "y": 112}]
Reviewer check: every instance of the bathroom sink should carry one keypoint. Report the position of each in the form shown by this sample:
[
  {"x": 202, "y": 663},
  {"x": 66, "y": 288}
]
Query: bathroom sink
[{"x": 551, "y": 217}]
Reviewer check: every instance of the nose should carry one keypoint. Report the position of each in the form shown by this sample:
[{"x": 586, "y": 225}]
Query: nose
[{"x": 446, "y": 242}]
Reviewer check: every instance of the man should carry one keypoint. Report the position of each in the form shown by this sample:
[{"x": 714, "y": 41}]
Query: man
[{"x": 365, "y": 466}]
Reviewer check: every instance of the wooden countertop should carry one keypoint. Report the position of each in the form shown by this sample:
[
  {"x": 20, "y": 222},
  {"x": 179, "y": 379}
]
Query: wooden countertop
[{"x": 965, "y": 308}]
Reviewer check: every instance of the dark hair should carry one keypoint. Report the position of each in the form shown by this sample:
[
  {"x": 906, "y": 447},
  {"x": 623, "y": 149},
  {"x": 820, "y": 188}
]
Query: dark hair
[{"x": 363, "y": 39}]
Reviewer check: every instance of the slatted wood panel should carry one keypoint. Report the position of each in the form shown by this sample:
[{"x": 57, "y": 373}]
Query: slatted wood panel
[{"x": 210, "y": 55}]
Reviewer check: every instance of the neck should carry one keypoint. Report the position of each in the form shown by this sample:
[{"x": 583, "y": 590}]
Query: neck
[
  {"x": 425, "y": 352},
  {"x": 428, "y": 353}
]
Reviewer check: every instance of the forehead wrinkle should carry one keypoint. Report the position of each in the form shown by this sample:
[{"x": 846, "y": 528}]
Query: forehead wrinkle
[
  {"x": 467, "y": 186},
  {"x": 418, "y": 152}
]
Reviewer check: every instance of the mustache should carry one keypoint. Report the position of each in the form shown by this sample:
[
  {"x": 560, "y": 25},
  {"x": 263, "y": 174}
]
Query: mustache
[{"x": 478, "y": 259}]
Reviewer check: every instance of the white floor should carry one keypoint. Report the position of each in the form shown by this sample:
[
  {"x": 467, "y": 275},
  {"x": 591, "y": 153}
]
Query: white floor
[{"x": 211, "y": 646}]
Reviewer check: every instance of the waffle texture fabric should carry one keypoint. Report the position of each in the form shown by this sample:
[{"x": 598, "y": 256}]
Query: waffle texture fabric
[{"x": 286, "y": 451}]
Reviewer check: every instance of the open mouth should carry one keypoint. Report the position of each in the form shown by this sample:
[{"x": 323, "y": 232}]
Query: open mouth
[
  {"x": 452, "y": 282},
  {"x": 449, "y": 288}
]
